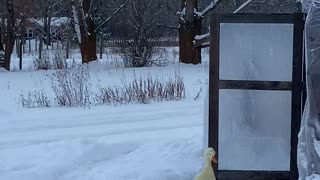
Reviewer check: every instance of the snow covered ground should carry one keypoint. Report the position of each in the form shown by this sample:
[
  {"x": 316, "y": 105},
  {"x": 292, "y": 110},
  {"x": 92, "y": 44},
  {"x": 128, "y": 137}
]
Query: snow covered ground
[{"x": 159, "y": 141}]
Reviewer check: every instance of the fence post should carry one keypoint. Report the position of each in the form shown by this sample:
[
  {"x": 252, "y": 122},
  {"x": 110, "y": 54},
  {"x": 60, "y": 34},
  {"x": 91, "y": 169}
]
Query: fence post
[
  {"x": 40, "y": 47},
  {"x": 20, "y": 53},
  {"x": 36, "y": 44},
  {"x": 101, "y": 46},
  {"x": 29, "y": 45},
  {"x": 67, "y": 48}
]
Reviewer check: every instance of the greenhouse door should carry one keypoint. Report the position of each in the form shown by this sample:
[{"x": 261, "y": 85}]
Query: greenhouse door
[{"x": 255, "y": 94}]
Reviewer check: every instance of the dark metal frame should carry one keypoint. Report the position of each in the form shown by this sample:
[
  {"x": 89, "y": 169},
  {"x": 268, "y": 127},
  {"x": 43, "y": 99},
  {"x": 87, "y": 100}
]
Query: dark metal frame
[{"x": 295, "y": 86}]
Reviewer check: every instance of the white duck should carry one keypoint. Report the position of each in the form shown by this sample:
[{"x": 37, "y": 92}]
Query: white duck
[{"x": 207, "y": 171}]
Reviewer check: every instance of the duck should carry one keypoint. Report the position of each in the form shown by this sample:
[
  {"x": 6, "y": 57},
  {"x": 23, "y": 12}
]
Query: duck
[{"x": 207, "y": 171}]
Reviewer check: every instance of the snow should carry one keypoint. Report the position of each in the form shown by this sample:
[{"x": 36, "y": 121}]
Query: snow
[
  {"x": 3, "y": 69},
  {"x": 55, "y": 21},
  {"x": 161, "y": 141},
  {"x": 313, "y": 177},
  {"x": 242, "y": 6},
  {"x": 203, "y": 36}
]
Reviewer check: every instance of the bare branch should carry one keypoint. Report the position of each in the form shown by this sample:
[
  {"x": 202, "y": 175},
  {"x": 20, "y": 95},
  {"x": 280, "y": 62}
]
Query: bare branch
[
  {"x": 171, "y": 27},
  {"x": 203, "y": 40},
  {"x": 109, "y": 18},
  {"x": 242, "y": 6},
  {"x": 208, "y": 8}
]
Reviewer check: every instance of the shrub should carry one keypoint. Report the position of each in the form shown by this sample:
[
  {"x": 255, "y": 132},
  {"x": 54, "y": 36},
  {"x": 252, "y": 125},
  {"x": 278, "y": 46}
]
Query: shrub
[
  {"x": 34, "y": 99},
  {"x": 143, "y": 91},
  {"x": 54, "y": 61},
  {"x": 71, "y": 86}
]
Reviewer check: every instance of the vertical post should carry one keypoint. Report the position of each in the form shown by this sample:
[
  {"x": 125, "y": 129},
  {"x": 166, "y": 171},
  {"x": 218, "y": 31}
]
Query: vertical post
[
  {"x": 101, "y": 46},
  {"x": 214, "y": 88},
  {"x": 36, "y": 44},
  {"x": 29, "y": 45},
  {"x": 40, "y": 47},
  {"x": 296, "y": 92},
  {"x": 17, "y": 45},
  {"x": 23, "y": 41},
  {"x": 67, "y": 48},
  {"x": 20, "y": 53}
]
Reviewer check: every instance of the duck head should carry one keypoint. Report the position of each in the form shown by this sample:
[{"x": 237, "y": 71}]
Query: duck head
[{"x": 210, "y": 155}]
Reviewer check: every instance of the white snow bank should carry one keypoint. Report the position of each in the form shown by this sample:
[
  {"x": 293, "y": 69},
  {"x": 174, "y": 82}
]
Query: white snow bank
[
  {"x": 160, "y": 141},
  {"x": 313, "y": 177},
  {"x": 3, "y": 69}
]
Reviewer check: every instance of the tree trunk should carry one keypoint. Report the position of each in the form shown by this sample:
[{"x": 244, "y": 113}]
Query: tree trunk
[
  {"x": 47, "y": 23},
  {"x": 1, "y": 54},
  {"x": 9, "y": 43},
  {"x": 88, "y": 45},
  {"x": 10, "y": 34},
  {"x": 88, "y": 48},
  {"x": 48, "y": 31},
  {"x": 1, "y": 47},
  {"x": 188, "y": 30}
]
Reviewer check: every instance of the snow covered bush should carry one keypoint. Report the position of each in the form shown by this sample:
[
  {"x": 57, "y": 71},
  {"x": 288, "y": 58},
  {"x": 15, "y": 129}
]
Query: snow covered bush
[
  {"x": 59, "y": 60},
  {"x": 43, "y": 63},
  {"x": 53, "y": 60},
  {"x": 34, "y": 99},
  {"x": 1, "y": 58},
  {"x": 139, "y": 33},
  {"x": 71, "y": 87},
  {"x": 143, "y": 91}
]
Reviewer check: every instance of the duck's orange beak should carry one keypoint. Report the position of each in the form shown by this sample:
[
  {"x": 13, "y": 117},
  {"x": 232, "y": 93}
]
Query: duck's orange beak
[{"x": 214, "y": 160}]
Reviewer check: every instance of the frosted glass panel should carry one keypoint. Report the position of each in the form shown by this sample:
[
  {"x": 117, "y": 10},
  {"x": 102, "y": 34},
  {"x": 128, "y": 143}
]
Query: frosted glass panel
[
  {"x": 253, "y": 51},
  {"x": 254, "y": 130}
]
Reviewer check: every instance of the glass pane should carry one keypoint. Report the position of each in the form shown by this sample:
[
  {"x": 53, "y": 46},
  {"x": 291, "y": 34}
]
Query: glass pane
[
  {"x": 253, "y": 51},
  {"x": 254, "y": 130}
]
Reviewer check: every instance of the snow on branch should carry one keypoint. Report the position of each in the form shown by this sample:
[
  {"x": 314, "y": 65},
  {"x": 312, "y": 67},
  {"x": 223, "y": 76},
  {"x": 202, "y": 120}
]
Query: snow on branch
[
  {"x": 202, "y": 40},
  {"x": 242, "y": 6},
  {"x": 76, "y": 23},
  {"x": 208, "y": 8},
  {"x": 182, "y": 14},
  {"x": 203, "y": 36},
  {"x": 103, "y": 24}
]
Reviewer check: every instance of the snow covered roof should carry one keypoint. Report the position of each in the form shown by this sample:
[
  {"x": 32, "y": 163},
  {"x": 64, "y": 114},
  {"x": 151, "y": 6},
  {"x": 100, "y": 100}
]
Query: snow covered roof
[{"x": 55, "y": 21}]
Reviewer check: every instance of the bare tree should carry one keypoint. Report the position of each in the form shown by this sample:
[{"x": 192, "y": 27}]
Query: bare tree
[
  {"x": 141, "y": 35},
  {"x": 15, "y": 13},
  {"x": 191, "y": 19},
  {"x": 2, "y": 28},
  {"x": 49, "y": 10},
  {"x": 86, "y": 29},
  {"x": 10, "y": 32},
  {"x": 190, "y": 26}
]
